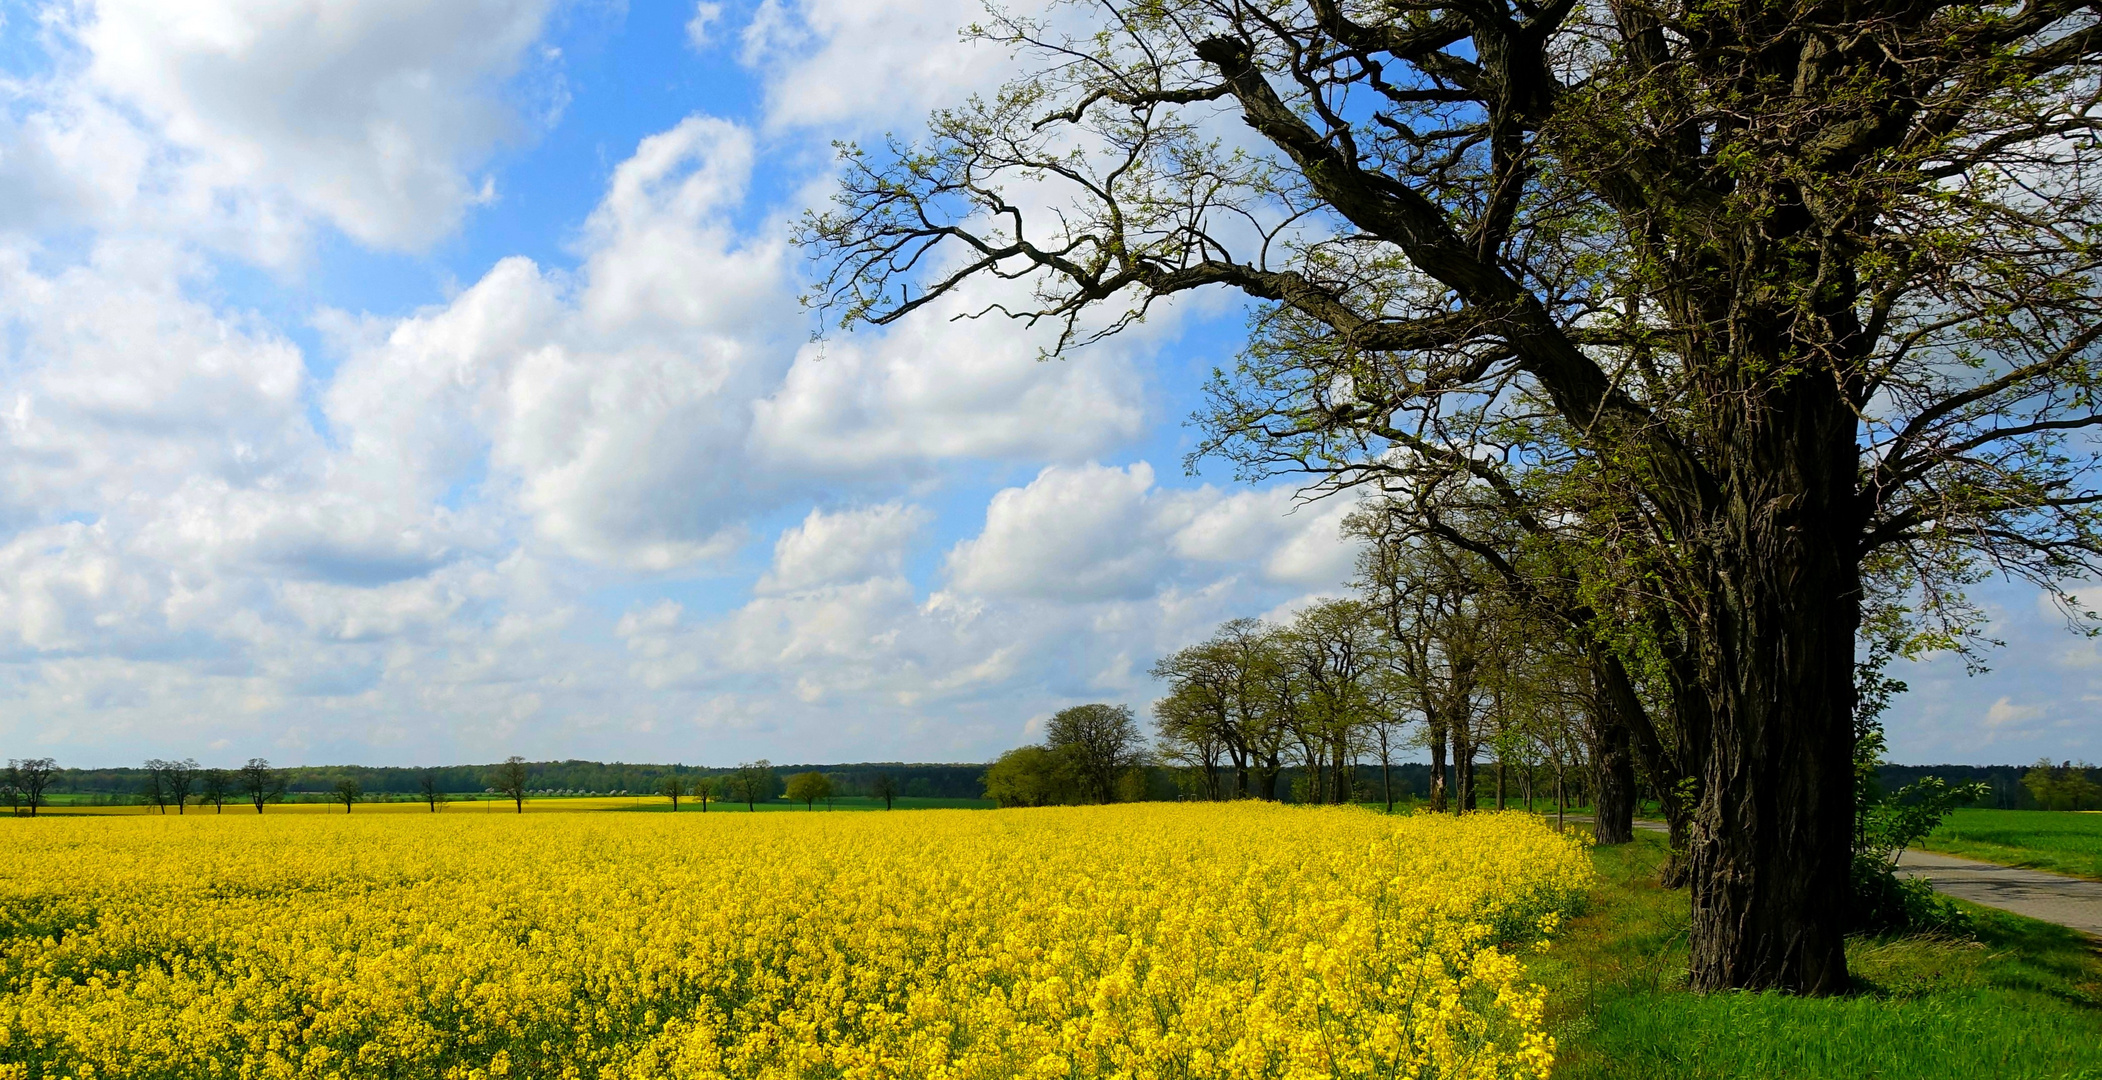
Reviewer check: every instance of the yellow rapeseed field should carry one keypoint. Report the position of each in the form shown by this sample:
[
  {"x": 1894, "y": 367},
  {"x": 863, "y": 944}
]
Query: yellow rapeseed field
[{"x": 1130, "y": 941}]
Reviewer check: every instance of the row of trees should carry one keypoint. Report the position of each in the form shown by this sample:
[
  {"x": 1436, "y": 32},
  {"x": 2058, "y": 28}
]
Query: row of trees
[
  {"x": 183, "y": 783},
  {"x": 1432, "y": 653},
  {"x": 1735, "y": 337}
]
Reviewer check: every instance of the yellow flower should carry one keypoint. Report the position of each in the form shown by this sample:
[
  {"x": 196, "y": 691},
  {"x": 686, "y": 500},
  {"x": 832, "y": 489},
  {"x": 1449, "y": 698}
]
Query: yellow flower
[{"x": 1148, "y": 941}]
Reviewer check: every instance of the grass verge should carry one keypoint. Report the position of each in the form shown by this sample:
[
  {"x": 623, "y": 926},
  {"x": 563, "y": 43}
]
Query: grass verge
[
  {"x": 2061, "y": 841},
  {"x": 2022, "y": 1001}
]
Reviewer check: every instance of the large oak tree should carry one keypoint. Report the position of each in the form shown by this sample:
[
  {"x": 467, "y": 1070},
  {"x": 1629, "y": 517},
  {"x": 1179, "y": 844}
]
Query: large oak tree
[{"x": 1789, "y": 288}]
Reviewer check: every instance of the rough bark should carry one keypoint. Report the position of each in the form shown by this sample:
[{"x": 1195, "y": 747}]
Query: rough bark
[
  {"x": 1463, "y": 751},
  {"x": 1437, "y": 748},
  {"x": 1613, "y": 760},
  {"x": 1771, "y": 843}
]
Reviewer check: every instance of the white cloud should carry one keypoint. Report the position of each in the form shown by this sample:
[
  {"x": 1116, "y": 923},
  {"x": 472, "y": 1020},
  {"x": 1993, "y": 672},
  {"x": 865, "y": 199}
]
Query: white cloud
[
  {"x": 863, "y": 63},
  {"x": 1093, "y": 533},
  {"x": 127, "y": 398},
  {"x": 851, "y": 545},
  {"x": 240, "y": 122},
  {"x": 614, "y": 405},
  {"x": 2004, "y": 713},
  {"x": 935, "y": 388},
  {"x": 698, "y": 28},
  {"x": 1071, "y": 534}
]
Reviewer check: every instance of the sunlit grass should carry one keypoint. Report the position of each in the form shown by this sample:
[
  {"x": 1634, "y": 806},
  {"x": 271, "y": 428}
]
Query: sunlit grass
[
  {"x": 2025, "y": 1000},
  {"x": 2061, "y": 841}
]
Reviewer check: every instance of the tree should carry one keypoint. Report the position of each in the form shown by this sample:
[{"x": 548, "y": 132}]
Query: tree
[
  {"x": 261, "y": 783},
  {"x": 672, "y": 786},
  {"x": 213, "y": 786},
  {"x": 28, "y": 777},
  {"x": 348, "y": 791},
  {"x": 171, "y": 782},
  {"x": 1030, "y": 776},
  {"x": 510, "y": 779},
  {"x": 703, "y": 788},
  {"x": 2062, "y": 787},
  {"x": 153, "y": 786},
  {"x": 754, "y": 781},
  {"x": 1707, "y": 258},
  {"x": 431, "y": 787},
  {"x": 1101, "y": 741},
  {"x": 808, "y": 787},
  {"x": 885, "y": 787},
  {"x": 1233, "y": 697},
  {"x": 1340, "y": 652}
]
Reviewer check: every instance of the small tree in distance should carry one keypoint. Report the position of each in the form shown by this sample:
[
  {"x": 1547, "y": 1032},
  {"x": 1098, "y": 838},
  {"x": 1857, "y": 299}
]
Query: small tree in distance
[
  {"x": 261, "y": 783},
  {"x": 752, "y": 782},
  {"x": 213, "y": 786},
  {"x": 28, "y": 777},
  {"x": 671, "y": 787},
  {"x": 154, "y": 788},
  {"x": 885, "y": 788},
  {"x": 348, "y": 791},
  {"x": 808, "y": 787},
  {"x": 427, "y": 785},
  {"x": 702, "y": 789},
  {"x": 510, "y": 779},
  {"x": 181, "y": 778}
]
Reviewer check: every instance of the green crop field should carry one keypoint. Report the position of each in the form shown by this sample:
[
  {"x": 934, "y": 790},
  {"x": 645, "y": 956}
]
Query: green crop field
[
  {"x": 2023, "y": 1001},
  {"x": 2064, "y": 842}
]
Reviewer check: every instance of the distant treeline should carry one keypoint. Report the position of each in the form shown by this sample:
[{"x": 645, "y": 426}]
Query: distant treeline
[
  {"x": 915, "y": 780},
  {"x": 931, "y": 781},
  {"x": 2009, "y": 792}
]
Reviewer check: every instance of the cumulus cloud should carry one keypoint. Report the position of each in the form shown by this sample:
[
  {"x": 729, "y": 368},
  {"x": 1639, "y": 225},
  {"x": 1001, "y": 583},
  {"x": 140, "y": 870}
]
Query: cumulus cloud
[
  {"x": 241, "y": 123},
  {"x": 849, "y": 545},
  {"x": 823, "y": 60},
  {"x": 934, "y": 388},
  {"x": 613, "y": 403},
  {"x": 1093, "y": 533}
]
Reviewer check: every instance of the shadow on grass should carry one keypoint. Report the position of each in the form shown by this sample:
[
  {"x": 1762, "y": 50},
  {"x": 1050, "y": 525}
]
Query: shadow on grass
[{"x": 2023, "y": 1000}]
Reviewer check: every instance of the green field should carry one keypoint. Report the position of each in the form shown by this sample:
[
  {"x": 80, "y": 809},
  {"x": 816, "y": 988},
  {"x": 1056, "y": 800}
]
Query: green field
[
  {"x": 2061, "y": 841},
  {"x": 2023, "y": 1001}
]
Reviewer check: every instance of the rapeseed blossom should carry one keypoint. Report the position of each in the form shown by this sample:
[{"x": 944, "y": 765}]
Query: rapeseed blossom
[{"x": 1147, "y": 941}]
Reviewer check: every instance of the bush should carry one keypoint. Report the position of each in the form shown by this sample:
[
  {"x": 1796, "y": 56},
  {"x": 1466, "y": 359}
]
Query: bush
[
  {"x": 1881, "y": 902},
  {"x": 1884, "y": 903}
]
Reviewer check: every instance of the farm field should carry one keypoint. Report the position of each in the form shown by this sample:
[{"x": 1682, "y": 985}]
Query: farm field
[
  {"x": 64, "y": 806},
  {"x": 1151, "y": 940},
  {"x": 2023, "y": 1001},
  {"x": 2062, "y": 841}
]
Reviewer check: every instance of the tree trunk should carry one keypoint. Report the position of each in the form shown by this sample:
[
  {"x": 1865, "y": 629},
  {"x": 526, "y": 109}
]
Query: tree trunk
[
  {"x": 1771, "y": 843},
  {"x": 1437, "y": 793},
  {"x": 1463, "y": 766},
  {"x": 1613, "y": 760}
]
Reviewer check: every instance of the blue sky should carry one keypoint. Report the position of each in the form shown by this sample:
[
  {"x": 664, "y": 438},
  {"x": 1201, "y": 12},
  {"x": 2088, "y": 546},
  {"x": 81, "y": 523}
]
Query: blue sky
[{"x": 423, "y": 380}]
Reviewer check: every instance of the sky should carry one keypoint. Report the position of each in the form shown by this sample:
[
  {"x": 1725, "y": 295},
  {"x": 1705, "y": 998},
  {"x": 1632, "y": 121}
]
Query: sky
[{"x": 420, "y": 381}]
